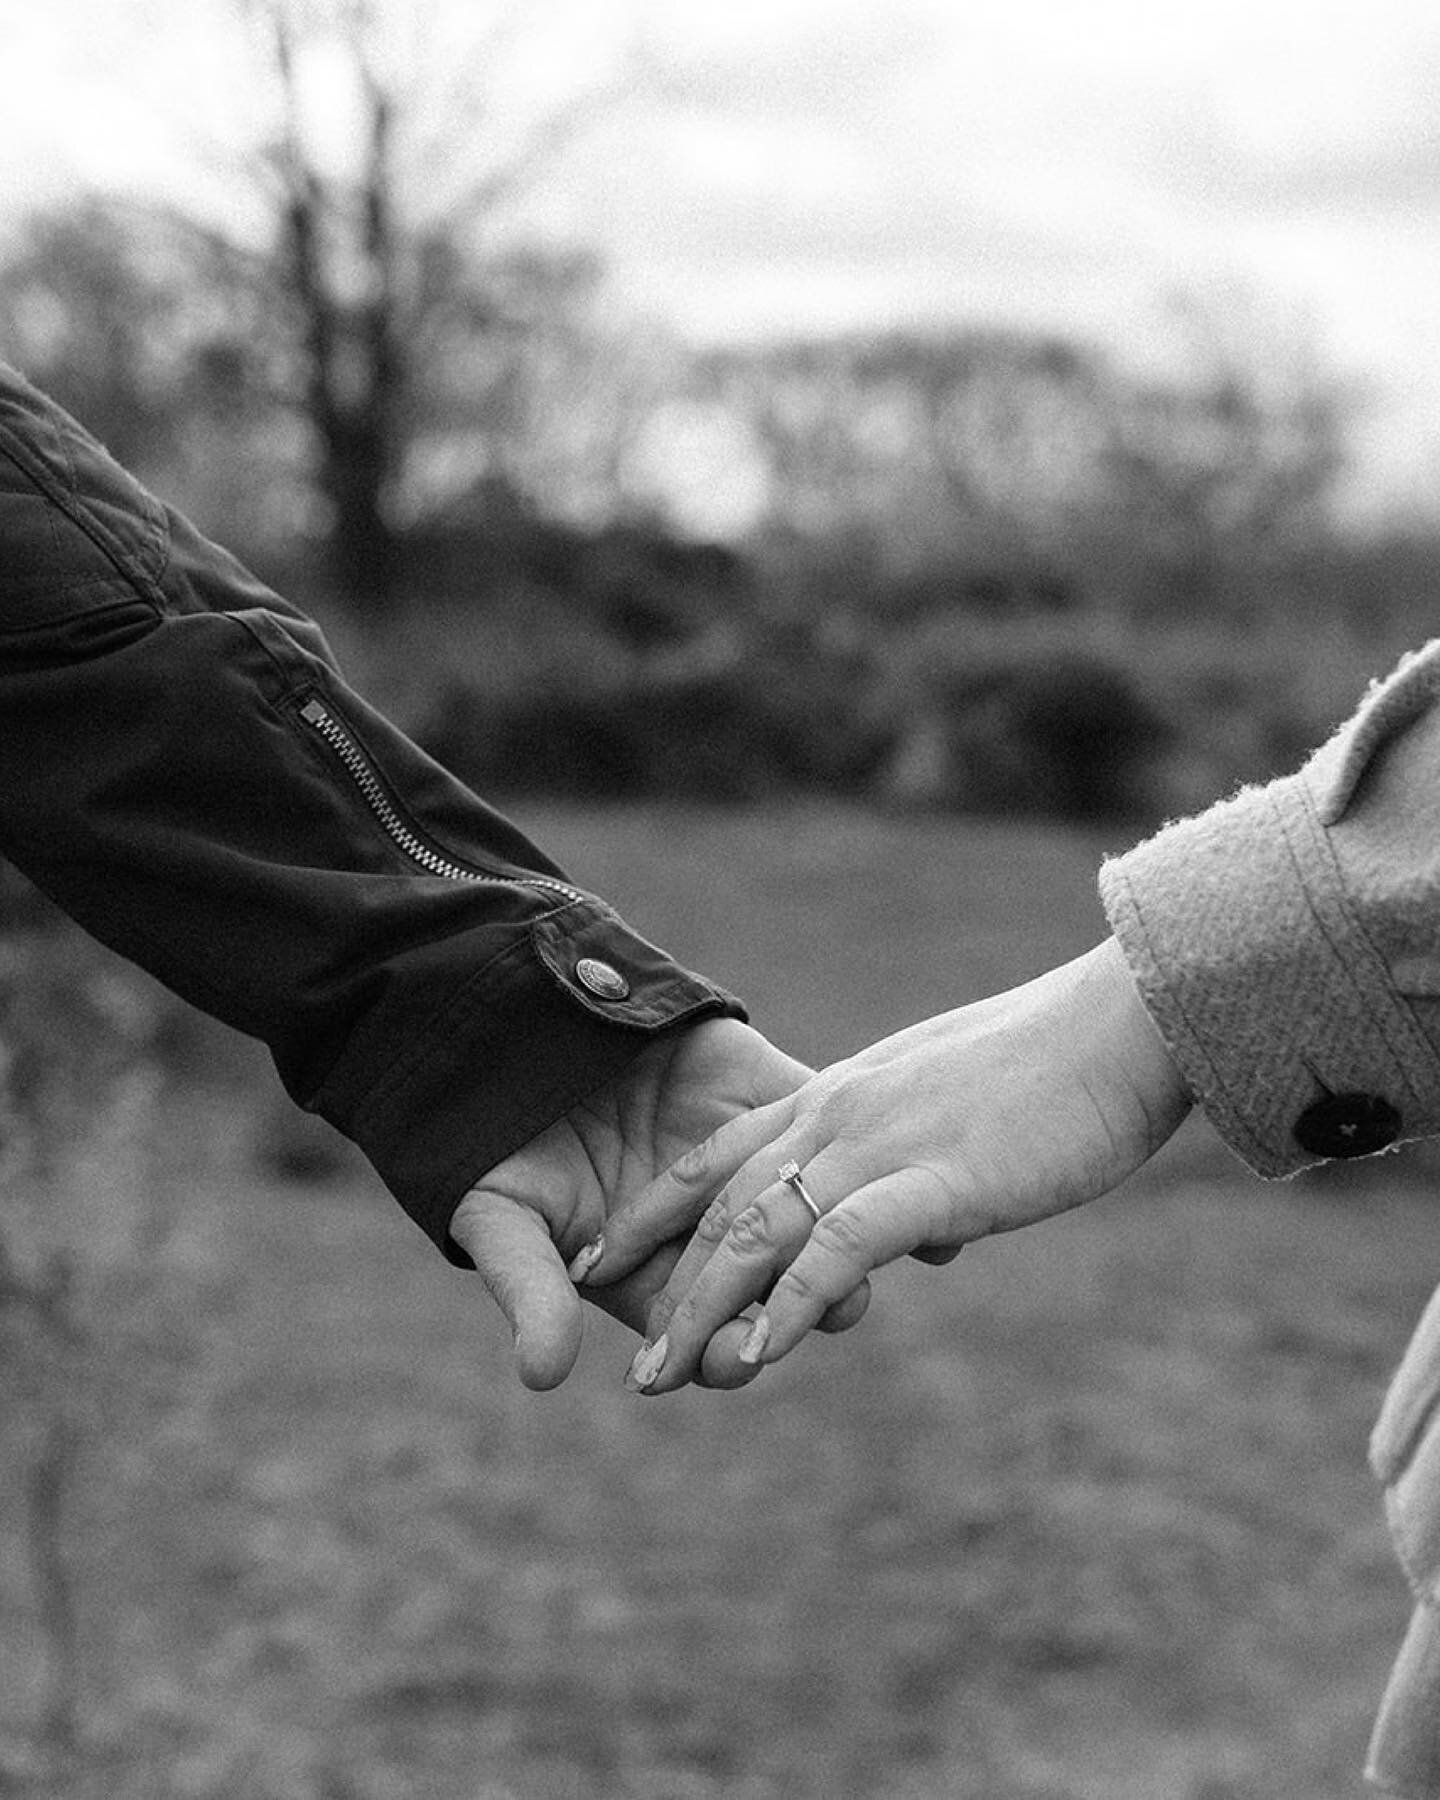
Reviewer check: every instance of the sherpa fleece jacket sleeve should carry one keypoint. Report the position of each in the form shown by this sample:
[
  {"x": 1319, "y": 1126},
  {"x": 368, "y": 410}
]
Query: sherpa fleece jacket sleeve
[{"x": 1287, "y": 941}]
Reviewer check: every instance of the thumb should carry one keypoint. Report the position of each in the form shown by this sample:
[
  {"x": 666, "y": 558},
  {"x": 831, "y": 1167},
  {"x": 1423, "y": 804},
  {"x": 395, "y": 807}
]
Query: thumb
[{"x": 512, "y": 1250}]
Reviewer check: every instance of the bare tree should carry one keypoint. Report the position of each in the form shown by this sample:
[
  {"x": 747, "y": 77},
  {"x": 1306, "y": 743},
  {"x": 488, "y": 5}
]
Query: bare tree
[
  {"x": 384, "y": 294},
  {"x": 379, "y": 265}
]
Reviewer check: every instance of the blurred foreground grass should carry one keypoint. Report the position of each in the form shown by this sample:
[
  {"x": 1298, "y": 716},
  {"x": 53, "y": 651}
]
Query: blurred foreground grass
[{"x": 1083, "y": 1517}]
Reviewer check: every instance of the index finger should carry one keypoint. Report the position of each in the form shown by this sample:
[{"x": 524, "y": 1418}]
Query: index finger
[
  {"x": 669, "y": 1206},
  {"x": 712, "y": 1230}
]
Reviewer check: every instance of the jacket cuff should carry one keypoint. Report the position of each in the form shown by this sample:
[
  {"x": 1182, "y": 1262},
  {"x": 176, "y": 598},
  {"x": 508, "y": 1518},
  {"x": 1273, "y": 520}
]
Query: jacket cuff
[
  {"x": 1277, "y": 1009},
  {"x": 560, "y": 1012}
]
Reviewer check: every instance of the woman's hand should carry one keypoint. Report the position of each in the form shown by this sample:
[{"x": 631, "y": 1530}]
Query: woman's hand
[{"x": 979, "y": 1120}]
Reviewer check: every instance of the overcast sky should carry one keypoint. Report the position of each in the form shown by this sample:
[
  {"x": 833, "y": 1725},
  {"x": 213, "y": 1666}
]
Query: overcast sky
[{"x": 794, "y": 165}]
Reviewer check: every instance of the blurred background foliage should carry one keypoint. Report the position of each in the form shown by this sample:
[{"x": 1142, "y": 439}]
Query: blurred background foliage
[
  {"x": 980, "y": 571},
  {"x": 971, "y": 569}
]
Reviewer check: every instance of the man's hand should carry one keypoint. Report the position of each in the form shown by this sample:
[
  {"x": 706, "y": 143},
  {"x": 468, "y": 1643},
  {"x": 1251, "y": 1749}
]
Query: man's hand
[{"x": 534, "y": 1213}]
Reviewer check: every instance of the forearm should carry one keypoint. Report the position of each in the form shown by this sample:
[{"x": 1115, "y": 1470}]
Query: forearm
[{"x": 184, "y": 770}]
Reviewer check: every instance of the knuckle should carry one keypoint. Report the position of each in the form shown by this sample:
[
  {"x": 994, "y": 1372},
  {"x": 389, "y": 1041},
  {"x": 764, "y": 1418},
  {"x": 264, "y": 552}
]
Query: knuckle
[
  {"x": 690, "y": 1167},
  {"x": 803, "y": 1289},
  {"x": 714, "y": 1222},
  {"x": 752, "y": 1233},
  {"x": 797, "y": 1284},
  {"x": 834, "y": 1105},
  {"x": 841, "y": 1234}
]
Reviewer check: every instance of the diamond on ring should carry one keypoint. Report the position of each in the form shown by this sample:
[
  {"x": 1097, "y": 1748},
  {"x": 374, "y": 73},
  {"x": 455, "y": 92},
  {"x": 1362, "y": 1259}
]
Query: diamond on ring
[{"x": 789, "y": 1173}]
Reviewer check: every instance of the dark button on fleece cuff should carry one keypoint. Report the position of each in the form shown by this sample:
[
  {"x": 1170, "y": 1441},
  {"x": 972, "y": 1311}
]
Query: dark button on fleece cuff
[
  {"x": 1343, "y": 1125},
  {"x": 1265, "y": 985}
]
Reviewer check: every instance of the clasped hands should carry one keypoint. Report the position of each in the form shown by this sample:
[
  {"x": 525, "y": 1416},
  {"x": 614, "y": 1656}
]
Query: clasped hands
[{"x": 662, "y": 1202}]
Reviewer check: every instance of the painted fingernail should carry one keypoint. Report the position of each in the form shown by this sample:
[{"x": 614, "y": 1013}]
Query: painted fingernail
[
  {"x": 756, "y": 1339},
  {"x": 587, "y": 1259},
  {"x": 649, "y": 1361}
]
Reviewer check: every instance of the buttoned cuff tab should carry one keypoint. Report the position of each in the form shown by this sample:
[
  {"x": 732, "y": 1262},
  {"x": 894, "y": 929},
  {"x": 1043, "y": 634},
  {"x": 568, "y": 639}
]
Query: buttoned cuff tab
[
  {"x": 1280, "y": 1014},
  {"x": 611, "y": 971},
  {"x": 557, "y": 1016}
]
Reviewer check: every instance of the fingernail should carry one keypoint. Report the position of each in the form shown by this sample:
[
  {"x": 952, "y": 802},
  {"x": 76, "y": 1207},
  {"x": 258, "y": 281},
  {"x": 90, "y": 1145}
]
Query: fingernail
[
  {"x": 756, "y": 1339},
  {"x": 649, "y": 1361},
  {"x": 587, "y": 1259}
]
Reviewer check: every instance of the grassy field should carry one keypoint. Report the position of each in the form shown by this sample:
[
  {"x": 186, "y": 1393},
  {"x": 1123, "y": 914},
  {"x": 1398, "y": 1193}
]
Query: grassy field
[{"x": 1082, "y": 1517}]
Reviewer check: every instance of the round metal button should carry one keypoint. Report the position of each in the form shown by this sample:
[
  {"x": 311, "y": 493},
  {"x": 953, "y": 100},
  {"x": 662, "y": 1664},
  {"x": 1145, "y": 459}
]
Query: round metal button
[
  {"x": 601, "y": 978},
  {"x": 1347, "y": 1125}
]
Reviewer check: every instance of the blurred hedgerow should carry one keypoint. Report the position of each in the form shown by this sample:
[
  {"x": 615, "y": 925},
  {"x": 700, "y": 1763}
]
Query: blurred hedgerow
[{"x": 752, "y": 718}]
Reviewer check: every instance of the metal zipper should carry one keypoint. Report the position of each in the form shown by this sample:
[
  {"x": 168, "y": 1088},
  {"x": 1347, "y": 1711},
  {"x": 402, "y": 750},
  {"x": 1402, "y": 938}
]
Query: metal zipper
[{"x": 353, "y": 760}]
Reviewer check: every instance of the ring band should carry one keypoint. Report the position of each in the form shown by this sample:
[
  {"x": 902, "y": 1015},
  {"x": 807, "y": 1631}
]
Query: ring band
[{"x": 789, "y": 1173}]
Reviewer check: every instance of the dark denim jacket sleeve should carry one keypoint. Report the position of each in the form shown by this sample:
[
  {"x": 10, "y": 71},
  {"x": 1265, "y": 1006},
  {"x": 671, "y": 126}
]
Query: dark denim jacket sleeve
[{"x": 183, "y": 769}]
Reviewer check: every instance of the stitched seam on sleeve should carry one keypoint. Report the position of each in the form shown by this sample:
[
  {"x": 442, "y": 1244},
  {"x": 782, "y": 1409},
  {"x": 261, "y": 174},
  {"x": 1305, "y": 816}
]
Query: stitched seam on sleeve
[
  {"x": 129, "y": 567},
  {"x": 1376, "y": 984},
  {"x": 293, "y": 680},
  {"x": 147, "y": 511},
  {"x": 122, "y": 598}
]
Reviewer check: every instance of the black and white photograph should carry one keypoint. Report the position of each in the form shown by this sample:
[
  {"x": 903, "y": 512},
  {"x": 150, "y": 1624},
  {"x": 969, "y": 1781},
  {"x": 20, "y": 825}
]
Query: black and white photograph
[{"x": 775, "y": 668}]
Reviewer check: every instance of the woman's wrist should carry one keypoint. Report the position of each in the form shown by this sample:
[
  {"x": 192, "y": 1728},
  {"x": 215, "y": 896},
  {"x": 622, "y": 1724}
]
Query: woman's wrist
[{"x": 1124, "y": 1025}]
